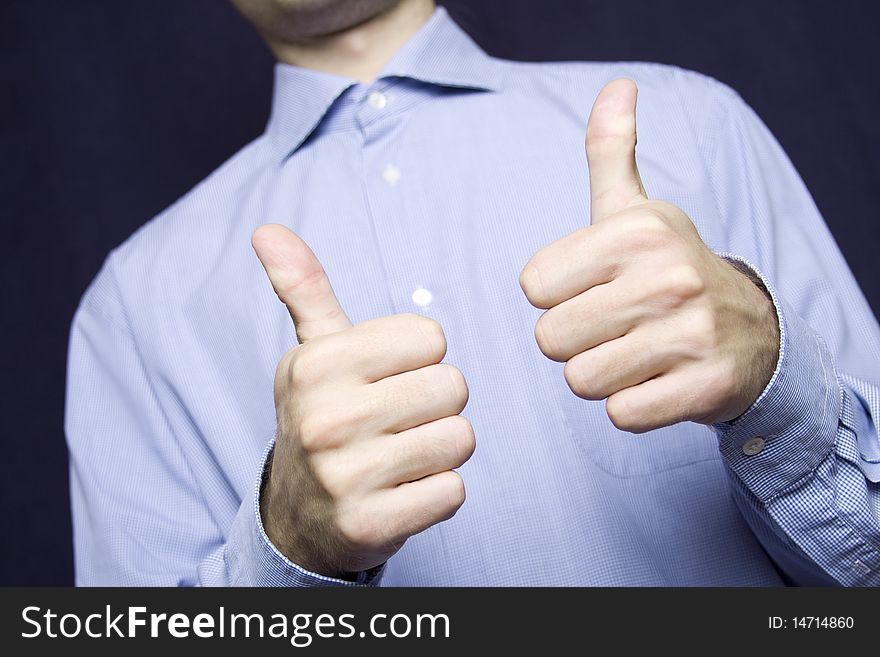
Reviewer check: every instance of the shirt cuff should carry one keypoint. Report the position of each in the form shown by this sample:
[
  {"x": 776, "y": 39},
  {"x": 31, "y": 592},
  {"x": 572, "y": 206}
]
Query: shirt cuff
[
  {"x": 253, "y": 560},
  {"x": 790, "y": 428}
]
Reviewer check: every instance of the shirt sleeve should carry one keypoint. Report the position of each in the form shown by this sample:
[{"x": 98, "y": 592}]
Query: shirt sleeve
[
  {"x": 140, "y": 515},
  {"x": 804, "y": 460}
]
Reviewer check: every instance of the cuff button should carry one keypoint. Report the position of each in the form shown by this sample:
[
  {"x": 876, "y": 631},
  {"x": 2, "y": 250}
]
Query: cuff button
[{"x": 753, "y": 446}]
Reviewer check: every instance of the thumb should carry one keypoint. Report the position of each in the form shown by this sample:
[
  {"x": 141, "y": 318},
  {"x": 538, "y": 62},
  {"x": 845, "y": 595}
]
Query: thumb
[
  {"x": 299, "y": 281},
  {"x": 611, "y": 150}
]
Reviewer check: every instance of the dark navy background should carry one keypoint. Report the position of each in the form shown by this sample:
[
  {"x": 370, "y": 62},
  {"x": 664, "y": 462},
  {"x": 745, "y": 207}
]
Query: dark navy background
[{"x": 109, "y": 111}]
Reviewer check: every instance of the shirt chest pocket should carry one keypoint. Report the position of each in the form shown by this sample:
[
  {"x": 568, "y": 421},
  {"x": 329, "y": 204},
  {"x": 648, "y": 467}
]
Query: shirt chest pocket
[{"x": 624, "y": 454}]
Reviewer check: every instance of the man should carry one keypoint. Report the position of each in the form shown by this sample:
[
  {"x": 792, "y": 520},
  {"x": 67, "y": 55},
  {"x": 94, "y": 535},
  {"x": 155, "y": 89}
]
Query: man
[{"x": 700, "y": 407}]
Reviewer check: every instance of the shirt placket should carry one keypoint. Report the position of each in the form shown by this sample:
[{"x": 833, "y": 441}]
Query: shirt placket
[{"x": 387, "y": 174}]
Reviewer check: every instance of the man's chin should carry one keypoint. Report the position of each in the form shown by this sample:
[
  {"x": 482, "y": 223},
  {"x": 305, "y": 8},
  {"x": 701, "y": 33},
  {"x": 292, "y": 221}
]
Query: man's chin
[{"x": 293, "y": 20}]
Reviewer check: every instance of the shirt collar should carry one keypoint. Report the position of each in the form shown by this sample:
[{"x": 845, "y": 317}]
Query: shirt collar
[{"x": 439, "y": 53}]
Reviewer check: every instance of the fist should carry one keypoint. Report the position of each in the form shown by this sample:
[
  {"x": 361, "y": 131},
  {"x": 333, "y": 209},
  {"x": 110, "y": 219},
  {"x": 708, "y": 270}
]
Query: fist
[
  {"x": 641, "y": 311},
  {"x": 369, "y": 430}
]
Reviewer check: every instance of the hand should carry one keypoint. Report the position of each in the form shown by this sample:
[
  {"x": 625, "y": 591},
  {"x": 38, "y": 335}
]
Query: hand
[
  {"x": 369, "y": 429},
  {"x": 640, "y": 310}
]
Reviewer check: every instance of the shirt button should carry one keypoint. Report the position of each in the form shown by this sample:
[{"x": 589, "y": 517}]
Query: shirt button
[
  {"x": 422, "y": 297},
  {"x": 753, "y": 446},
  {"x": 391, "y": 174},
  {"x": 377, "y": 99}
]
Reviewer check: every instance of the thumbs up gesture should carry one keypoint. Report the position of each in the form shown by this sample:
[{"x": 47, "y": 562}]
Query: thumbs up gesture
[
  {"x": 369, "y": 429},
  {"x": 641, "y": 311}
]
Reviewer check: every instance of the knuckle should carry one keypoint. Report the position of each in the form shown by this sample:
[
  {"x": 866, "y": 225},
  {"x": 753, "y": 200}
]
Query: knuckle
[
  {"x": 530, "y": 282},
  {"x": 533, "y": 279},
  {"x": 465, "y": 440},
  {"x": 700, "y": 334},
  {"x": 580, "y": 382},
  {"x": 682, "y": 283},
  {"x": 622, "y": 414},
  {"x": 305, "y": 368},
  {"x": 706, "y": 325},
  {"x": 547, "y": 336},
  {"x": 340, "y": 474},
  {"x": 328, "y": 478},
  {"x": 357, "y": 529},
  {"x": 432, "y": 333},
  {"x": 454, "y": 491},
  {"x": 458, "y": 388},
  {"x": 648, "y": 229},
  {"x": 319, "y": 430},
  {"x": 677, "y": 222}
]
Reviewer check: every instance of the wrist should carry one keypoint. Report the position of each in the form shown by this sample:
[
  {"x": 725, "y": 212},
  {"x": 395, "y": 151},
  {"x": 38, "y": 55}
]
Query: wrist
[
  {"x": 761, "y": 331},
  {"x": 291, "y": 517}
]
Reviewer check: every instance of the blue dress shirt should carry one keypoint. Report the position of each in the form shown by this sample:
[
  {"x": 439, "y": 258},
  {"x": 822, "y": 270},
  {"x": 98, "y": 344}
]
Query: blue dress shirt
[{"x": 427, "y": 191}]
